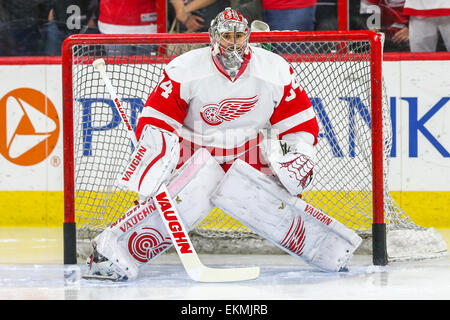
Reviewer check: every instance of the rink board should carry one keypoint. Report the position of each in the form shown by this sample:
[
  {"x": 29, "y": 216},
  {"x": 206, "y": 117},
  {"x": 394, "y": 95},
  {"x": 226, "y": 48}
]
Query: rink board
[{"x": 419, "y": 171}]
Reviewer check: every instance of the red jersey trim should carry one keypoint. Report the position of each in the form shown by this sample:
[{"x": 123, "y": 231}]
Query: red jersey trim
[
  {"x": 289, "y": 107},
  {"x": 128, "y": 13},
  {"x": 168, "y": 100},
  {"x": 429, "y": 13},
  {"x": 223, "y": 152},
  {"x": 287, "y": 4},
  {"x": 222, "y": 70}
]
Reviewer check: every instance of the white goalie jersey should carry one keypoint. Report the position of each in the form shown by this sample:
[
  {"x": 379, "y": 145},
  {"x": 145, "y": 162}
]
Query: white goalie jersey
[{"x": 197, "y": 100}]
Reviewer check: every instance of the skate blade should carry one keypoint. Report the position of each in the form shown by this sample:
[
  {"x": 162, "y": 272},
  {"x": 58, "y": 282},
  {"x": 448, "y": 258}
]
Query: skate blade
[{"x": 99, "y": 277}]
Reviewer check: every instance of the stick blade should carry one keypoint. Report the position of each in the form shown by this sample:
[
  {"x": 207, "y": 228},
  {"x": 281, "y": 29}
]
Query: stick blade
[
  {"x": 197, "y": 271},
  {"x": 207, "y": 274},
  {"x": 188, "y": 257}
]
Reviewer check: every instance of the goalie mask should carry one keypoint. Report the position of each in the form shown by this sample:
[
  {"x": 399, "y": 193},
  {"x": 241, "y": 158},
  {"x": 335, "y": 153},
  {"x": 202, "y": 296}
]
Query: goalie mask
[{"x": 229, "y": 34}]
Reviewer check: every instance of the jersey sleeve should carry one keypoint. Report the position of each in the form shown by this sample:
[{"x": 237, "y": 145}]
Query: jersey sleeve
[
  {"x": 295, "y": 112},
  {"x": 164, "y": 108}
]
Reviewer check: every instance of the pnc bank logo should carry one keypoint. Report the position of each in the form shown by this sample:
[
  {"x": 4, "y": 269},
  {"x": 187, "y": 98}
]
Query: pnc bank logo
[{"x": 29, "y": 127}]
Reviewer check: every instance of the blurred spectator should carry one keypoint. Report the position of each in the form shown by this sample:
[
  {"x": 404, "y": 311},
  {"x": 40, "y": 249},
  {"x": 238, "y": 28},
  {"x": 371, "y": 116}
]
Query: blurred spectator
[
  {"x": 4, "y": 37},
  {"x": 123, "y": 17},
  {"x": 356, "y": 20},
  {"x": 390, "y": 21},
  {"x": 326, "y": 15},
  {"x": 289, "y": 14},
  {"x": 131, "y": 16},
  {"x": 250, "y": 9},
  {"x": 196, "y": 15},
  {"x": 428, "y": 19},
  {"x": 22, "y": 29},
  {"x": 69, "y": 17}
]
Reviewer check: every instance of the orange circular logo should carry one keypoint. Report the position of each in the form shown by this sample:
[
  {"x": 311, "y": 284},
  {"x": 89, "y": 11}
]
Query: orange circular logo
[{"x": 30, "y": 126}]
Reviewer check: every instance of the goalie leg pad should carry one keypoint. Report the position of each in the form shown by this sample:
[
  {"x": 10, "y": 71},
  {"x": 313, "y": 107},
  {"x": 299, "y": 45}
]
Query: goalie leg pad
[
  {"x": 260, "y": 203},
  {"x": 140, "y": 235}
]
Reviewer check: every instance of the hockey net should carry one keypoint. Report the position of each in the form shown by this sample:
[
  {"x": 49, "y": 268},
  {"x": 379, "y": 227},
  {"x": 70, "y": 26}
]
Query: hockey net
[{"x": 339, "y": 71}]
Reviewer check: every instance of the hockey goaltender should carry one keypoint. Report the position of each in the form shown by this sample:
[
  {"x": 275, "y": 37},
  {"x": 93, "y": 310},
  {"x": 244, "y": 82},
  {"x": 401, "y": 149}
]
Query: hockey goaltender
[{"x": 228, "y": 126}]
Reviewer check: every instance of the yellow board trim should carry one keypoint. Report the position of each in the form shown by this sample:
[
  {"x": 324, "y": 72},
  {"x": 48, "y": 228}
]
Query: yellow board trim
[
  {"x": 31, "y": 208},
  {"x": 46, "y": 208}
]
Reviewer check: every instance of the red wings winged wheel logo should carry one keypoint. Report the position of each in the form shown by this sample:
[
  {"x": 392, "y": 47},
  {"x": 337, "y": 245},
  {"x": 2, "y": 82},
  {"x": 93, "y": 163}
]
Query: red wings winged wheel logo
[{"x": 227, "y": 110}]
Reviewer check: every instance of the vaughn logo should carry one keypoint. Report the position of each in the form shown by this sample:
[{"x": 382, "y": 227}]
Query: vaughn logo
[
  {"x": 29, "y": 126},
  {"x": 319, "y": 215},
  {"x": 135, "y": 216},
  {"x": 123, "y": 115},
  {"x": 227, "y": 110},
  {"x": 175, "y": 226},
  {"x": 134, "y": 163}
]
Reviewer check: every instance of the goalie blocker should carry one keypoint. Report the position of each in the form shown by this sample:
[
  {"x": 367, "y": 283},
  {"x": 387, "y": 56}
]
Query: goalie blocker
[{"x": 261, "y": 204}]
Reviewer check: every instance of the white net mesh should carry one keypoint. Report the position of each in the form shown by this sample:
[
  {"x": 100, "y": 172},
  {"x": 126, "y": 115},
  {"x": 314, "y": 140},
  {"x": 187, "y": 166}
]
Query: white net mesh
[{"x": 335, "y": 74}]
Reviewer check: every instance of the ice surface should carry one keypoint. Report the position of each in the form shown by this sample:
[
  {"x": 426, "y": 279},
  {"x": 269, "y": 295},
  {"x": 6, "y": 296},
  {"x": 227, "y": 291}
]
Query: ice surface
[
  {"x": 282, "y": 278},
  {"x": 31, "y": 268}
]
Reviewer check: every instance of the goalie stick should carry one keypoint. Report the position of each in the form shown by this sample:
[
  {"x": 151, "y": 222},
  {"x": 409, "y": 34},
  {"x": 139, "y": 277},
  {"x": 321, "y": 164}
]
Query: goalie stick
[{"x": 169, "y": 214}]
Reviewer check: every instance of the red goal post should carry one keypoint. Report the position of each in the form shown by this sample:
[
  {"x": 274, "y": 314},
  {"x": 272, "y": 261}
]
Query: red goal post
[{"x": 328, "y": 59}]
